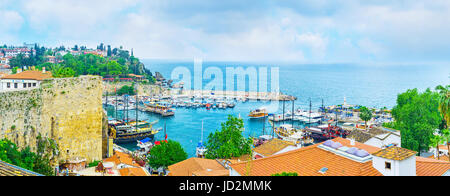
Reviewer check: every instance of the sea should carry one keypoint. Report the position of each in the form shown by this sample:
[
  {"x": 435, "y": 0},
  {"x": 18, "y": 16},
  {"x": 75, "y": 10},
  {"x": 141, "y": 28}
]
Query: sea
[{"x": 370, "y": 85}]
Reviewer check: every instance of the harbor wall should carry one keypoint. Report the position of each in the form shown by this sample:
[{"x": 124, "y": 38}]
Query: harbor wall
[
  {"x": 269, "y": 96},
  {"x": 67, "y": 110}
]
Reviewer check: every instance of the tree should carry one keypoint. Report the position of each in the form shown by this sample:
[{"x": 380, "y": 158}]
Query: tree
[
  {"x": 228, "y": 142},
  {"x": 417, "y": 117},
  {"x": 168, "y": 153},
  {"x": 38, "y": 162},
  {"x": 435, "y": 140},
  {"x": 108, "y": 53},
  {"x": 286, "y": 174},
  {"x": 365, "y": 114},
  {"x": 446, "y": 138},
  {"x": 444, "y": 102}
]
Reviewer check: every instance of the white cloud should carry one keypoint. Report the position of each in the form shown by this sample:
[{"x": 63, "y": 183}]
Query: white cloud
[{"x": 302, "y": 30}]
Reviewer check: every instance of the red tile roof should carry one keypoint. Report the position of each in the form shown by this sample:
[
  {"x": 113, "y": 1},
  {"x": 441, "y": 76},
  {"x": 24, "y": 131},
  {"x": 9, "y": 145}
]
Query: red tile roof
[
  {"x": 198, "y": 167},
  {"x": 30, "y": 75},
  {"x": 308, "y": 161}
]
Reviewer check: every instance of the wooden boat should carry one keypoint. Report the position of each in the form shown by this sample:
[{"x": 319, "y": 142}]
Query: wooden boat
[
  {"x": 258, "y": 113},
  {"x": 288, "y": 133},
  {"x": 123, "y": 132}
]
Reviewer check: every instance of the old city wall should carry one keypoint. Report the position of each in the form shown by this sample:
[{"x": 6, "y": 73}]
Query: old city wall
[{"x": 67, "y": 110}]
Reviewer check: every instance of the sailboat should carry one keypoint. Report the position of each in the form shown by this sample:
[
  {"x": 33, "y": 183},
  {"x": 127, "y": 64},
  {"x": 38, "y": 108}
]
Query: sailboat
[{"x": 201, "y": 149}]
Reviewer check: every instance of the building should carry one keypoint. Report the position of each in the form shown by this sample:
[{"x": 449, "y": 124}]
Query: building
[
  {"x": 24, "y": 80},
  {"x": 198, "y": 167},
  {"x": 377, "y": 136},
  {"x": 120, "y": 164},
  {"x": 273, "y": 147},
  {"x": 343, "y": 157}
]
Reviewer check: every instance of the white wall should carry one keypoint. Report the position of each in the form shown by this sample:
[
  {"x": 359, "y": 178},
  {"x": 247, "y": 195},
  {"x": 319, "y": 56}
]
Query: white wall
[
  {"x": 405, "y": 167},
  {"x": 377, "y": 142},
  {"x": 4, "y": 84}
]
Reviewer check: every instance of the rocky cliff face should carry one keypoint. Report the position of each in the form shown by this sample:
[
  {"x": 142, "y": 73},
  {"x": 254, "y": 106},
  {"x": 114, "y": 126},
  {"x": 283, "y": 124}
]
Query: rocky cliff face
[{"x": 67, "y": 110}]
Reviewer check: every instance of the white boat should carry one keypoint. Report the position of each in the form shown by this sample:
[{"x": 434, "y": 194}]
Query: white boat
[
  {"x": 288, "y": 133},
  {"x": 200, "y": 151}
]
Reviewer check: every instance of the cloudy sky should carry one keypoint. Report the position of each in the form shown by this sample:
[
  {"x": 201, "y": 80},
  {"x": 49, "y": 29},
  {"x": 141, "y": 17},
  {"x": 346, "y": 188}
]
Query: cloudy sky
[{"x": 239, "y": 30}]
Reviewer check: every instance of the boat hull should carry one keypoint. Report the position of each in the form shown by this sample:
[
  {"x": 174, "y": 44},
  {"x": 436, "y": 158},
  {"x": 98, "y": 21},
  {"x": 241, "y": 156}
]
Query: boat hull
[{"x": 133, "y": 138}]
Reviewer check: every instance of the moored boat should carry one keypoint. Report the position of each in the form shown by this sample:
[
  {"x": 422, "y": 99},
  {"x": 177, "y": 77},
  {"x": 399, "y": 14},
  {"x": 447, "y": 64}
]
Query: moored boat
[{"x": 258, "y": 113}]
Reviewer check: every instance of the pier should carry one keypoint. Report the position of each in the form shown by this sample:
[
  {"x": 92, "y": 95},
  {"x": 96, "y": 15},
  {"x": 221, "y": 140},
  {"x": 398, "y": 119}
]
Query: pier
[{"x": 237, "y": 95}]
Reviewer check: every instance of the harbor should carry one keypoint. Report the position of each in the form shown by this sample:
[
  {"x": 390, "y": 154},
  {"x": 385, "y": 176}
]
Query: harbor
[{"x": 192, "y": 119}]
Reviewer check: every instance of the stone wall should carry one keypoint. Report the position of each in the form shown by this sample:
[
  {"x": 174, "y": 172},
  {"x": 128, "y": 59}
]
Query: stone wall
[{"x": 68, "y": 110}]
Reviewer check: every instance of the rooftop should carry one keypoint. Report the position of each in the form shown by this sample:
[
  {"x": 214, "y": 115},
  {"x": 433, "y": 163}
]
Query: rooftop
[
  {"x": 134, "y": 172},
  {"x": 30, "y": 75},
  {"x": 198, "y": 167},
  {"x": 310, "y": 161},
  {"x": 272, "y": 147},
  {"x": 316, "y": 161},
  {"x": 395, "y": 153},
  {"x": 7, "y": 169}
]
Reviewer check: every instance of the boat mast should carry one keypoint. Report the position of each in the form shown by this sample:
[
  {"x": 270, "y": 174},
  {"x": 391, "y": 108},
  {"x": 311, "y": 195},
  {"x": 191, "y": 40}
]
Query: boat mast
[
  {"x": 292, "y": 116},
  {"x": 310, "y": 110},
  {"x": 284, "y": 102},
  {"x": 115, "y": 89},
  {"x": 264, "y": 125},
  {"x": 137, "y": 100},
  {"x": 201, "y": 140}
]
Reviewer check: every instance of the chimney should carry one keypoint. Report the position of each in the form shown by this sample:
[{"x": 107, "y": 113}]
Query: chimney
[
  {"x": 352, "y": 141},
  {"x": 43, "y": 69}
]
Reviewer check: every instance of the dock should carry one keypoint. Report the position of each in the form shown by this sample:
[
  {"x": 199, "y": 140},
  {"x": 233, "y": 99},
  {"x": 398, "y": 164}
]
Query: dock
[{"x": 237, "y": 95}]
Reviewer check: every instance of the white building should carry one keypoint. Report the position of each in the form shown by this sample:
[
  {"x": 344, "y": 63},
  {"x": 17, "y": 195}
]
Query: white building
[{"x": 23, "y": 80}]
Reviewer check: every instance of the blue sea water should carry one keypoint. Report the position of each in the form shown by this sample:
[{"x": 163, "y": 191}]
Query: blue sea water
[{"x": 368, "y": 85}]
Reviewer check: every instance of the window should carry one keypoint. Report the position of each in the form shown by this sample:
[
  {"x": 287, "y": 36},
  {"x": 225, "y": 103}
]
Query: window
[
  {"x": 387, "y": 165},
  {"x": 29, "y": 84},
  {"x": 15, "y": 85},
  {"x": 24, "y": 85},
  {"x": 8, "y": 85},
  {"x": 34, "y": 84}
]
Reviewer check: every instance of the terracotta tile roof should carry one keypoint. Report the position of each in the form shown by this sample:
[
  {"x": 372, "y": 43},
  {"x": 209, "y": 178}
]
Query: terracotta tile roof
[
  {"x": 431, "y": 167},
  {"x": 272, "y": 147},
  {"x": 222, "y": 172},
  {"x": 120, "y": 157},
  {"x": 196, "y": 166},
  {"x": 30, "y": 75},
  {"x": 395, "y": 153},
  {"x": 308, "y": 161},
  {"x": 133, "y": 172},
  {"x": 441, "y": 158},
  {"x": 243, "y": 158}
]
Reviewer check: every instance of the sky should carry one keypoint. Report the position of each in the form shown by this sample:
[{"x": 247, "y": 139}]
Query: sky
[{"x": 329, "y": 31}]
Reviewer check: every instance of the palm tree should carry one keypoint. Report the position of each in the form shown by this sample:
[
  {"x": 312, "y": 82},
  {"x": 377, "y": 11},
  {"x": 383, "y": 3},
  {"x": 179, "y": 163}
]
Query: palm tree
[
  {"x": 444, "y": 101},
  {"x": 446, "y": 137},
  {"x": 435, "y": 140},
  {"x": 365, "y": 115},
  {"x": 56, "y": 69}
]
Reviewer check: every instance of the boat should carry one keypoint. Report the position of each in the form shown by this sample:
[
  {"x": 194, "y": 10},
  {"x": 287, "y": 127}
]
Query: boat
[
  {"x": 144, "y": 145},
  {"x": 325, "y": 132},
  {"x": 123, "y": 132},
  {"x": 288, "y": 133},
  {"x": 279, "y": 117},
  {"x": 200, "y": 151},
  {"x": 258, "y": 113}
]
